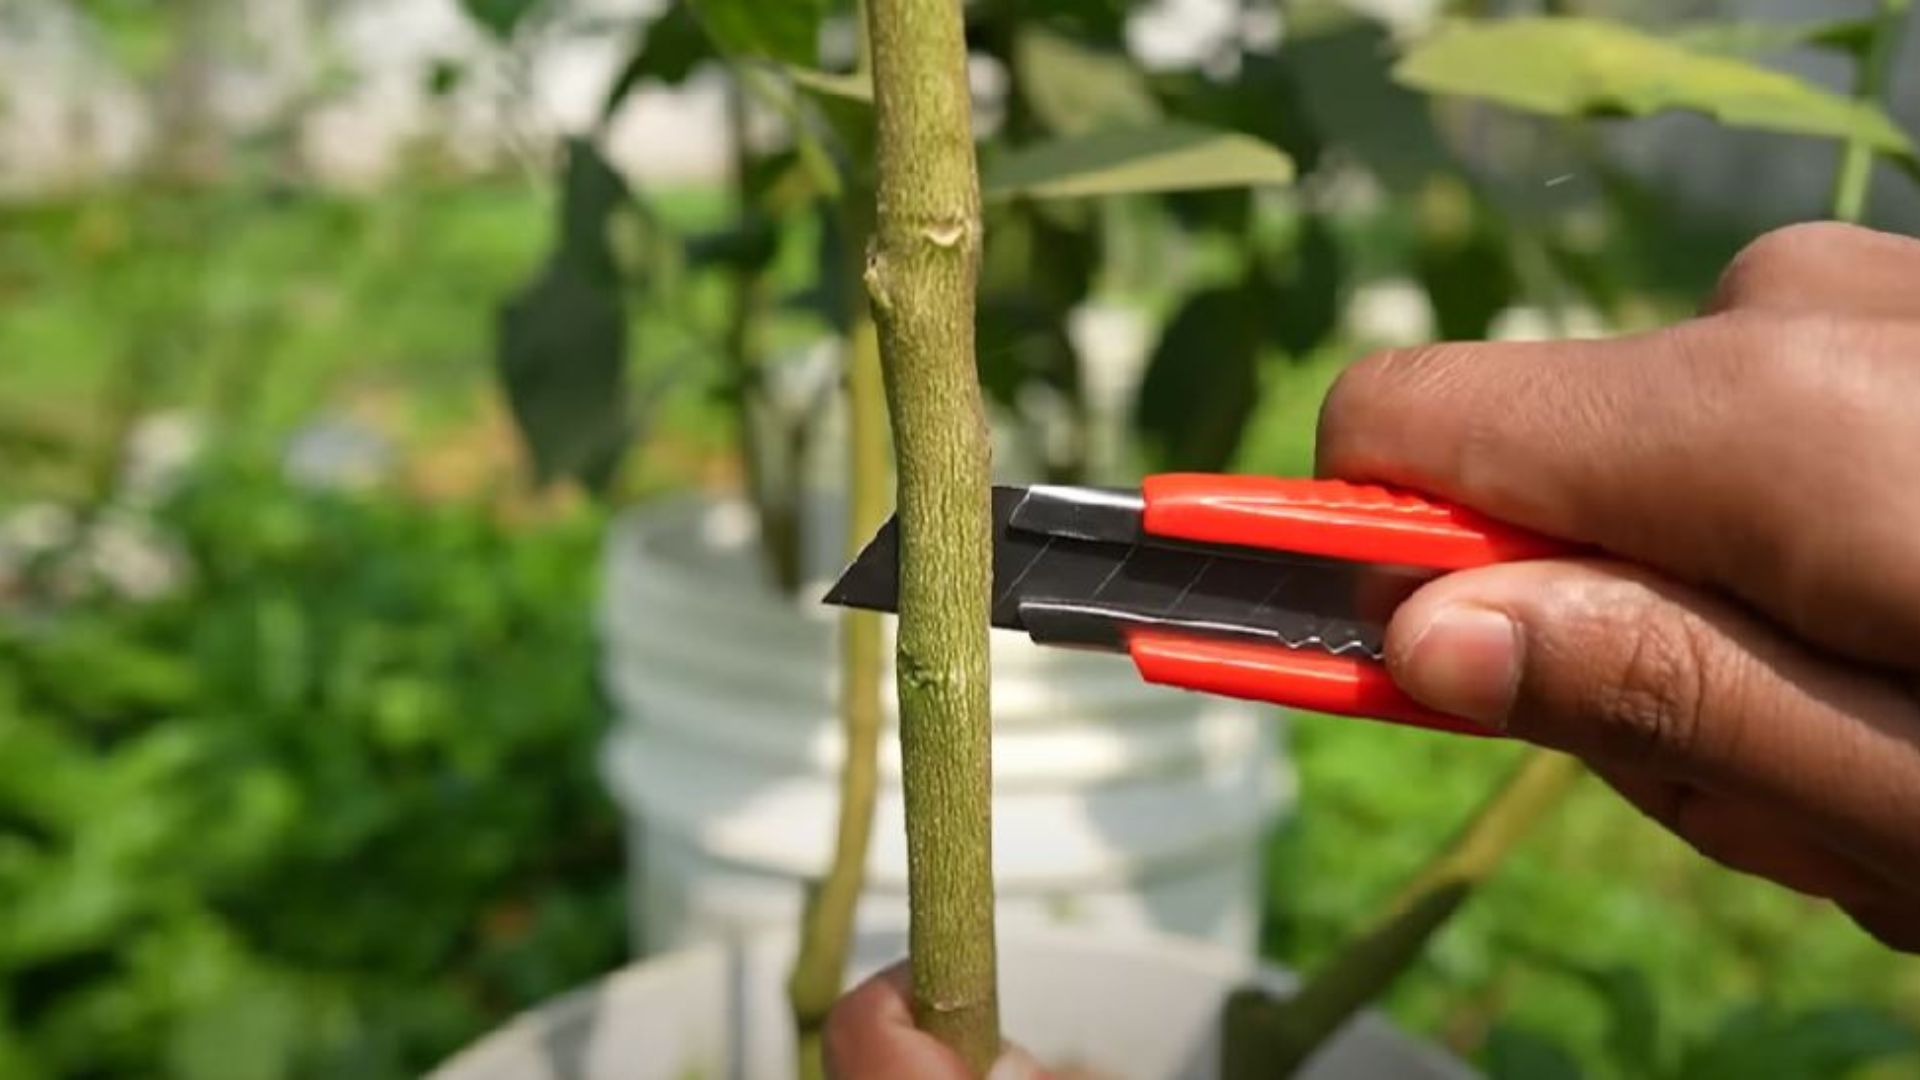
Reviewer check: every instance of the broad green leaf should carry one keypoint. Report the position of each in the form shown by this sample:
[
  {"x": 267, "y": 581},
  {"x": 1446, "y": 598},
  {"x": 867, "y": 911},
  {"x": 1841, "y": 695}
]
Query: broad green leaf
[
  {"x": 500, "y": 17},
  {"x": 673, "y": 46},
  {"x": 784, "y": 30},
  {"x": 1171, "y": 157},
  {"x": 1582, "y": 67},
  {"x": 1075, "y": 89}
]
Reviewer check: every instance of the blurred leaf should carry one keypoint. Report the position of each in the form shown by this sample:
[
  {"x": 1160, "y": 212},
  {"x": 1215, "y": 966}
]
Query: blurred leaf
[
  {"x": 1202, "y": 383},
  {"x": 1813, "y": 1045},
  {"x": 1586, "y": 67},
  {"x": 1306, "y": 296},
  {"x": 1033, "y": 275},
  {"x": 1633, "y": 1019},
  {"x": 563, "y": 341},
  {"x": 785, "y": 30},
  {"x": 1075, "y": 89},
  {"x": 500, "y": 17},
  {"x": 1171, "y": 157},
  {"x": 1518, "y": 1054},
  {"x": 1850, "y": 36},
  {"x": 749, "y": 243},
  {"x": 445, "y": 77},
  {"x": 1345, "y": 91},
  {"x": 251, "y": 1031},
  {"x": 674, "y": 45},
  {"x": 1463, "y": 261},
  {"x": 562, "y": 358}
]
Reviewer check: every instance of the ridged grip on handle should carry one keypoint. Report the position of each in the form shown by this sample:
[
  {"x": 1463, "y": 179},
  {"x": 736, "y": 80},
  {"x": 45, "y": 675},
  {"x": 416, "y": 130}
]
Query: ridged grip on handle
[
  {"x": 1294, "y": 678},
  {"x": 1334, "y": 519}
]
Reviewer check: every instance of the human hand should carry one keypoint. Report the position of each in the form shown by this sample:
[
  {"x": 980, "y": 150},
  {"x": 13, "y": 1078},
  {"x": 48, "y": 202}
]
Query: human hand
[
  {"x": 870, "y": 1036},
  {"x": 1748, "y": 672}
]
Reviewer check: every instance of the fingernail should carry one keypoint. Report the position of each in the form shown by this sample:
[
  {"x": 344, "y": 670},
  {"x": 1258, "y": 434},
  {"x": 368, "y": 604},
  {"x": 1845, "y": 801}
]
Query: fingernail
[{"x": 1465, "y": 662}]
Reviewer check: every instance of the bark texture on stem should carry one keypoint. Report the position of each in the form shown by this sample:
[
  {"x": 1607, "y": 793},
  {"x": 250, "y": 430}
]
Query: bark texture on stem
[
  {"x": 1269, "y": 1038},
  {"x": 921, "y": 276}
]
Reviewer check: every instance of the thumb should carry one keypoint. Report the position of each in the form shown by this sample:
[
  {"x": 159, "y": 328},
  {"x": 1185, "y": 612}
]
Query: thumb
[{"x": 1627, "y": 670}]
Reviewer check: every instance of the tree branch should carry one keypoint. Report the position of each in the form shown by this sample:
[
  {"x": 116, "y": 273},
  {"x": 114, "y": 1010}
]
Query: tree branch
[
  {"x": 1270, "y": 1038},
  {"x": 921, "y": 277}
]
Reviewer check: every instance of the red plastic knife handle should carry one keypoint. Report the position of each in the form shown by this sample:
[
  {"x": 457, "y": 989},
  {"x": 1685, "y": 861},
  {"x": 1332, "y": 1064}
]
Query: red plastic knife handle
[
  {"x": 1294, "y": 678},
  {"x": 1334, "y": 519},
  {"x": 1327, "y": 518}
]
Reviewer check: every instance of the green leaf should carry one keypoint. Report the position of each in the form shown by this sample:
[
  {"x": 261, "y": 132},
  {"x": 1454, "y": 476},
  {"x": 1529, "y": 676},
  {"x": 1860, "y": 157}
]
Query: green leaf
[
  {"x": 1171, "y": 157},
  {"x": 784, "y": 30},
  {"x": 563, "y": 340},
  {"x": 1518, "y": 1054},
  {"x": 1810, "y": 1045},
  {"x": 1345, "y": 92},
  {"x": 1075, "y": 89},
  {"x": 1202, "y": 383},
  {"x": 1032, "y": 277},
  {"x": 500, "y": 17},
  {"x": 1849, "y": 36},
  {"x": 1307, "y": 293},
  {"x": 673, "y": 47},
  {"x": 1463, "y": 261},
  {"x": 1586, "y": 67}
]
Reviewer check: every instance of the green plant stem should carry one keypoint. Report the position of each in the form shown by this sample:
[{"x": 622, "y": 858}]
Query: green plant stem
[
  {"x": 827, "y": 929},
  {"x": 1854, "y": 185},
  {"x": 1269, "y": 1038},
  {"x": 922, "y": 275},
  {"x": 778, "y": 519}
]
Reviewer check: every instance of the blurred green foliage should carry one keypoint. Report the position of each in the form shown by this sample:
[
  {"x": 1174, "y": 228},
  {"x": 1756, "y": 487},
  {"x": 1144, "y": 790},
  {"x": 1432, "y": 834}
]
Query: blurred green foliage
[{"x": 329, "y": 811}]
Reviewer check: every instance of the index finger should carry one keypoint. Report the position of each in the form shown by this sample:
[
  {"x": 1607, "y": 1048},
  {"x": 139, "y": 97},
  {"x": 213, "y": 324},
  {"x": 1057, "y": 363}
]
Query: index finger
[{"x": 1753, "y": 452}]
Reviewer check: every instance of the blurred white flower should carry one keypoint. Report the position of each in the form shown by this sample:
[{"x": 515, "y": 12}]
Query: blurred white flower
[{"x": 1391, "y": 312}]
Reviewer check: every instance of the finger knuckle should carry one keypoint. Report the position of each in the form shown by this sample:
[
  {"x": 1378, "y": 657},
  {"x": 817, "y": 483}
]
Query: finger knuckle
[
  {"x": 1772, "y": 265},
  {"x": 1653, "y": 710}
]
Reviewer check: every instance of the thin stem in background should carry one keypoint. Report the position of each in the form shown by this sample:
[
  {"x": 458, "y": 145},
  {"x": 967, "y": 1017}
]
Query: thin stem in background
[
  {"x": 1854, "y": 186},
  {"x": 829, "y": 920},
  {"x": 1269, "y": 1038},
  {"x": 827, "y": 932},
  {"x": 922, "y": 278}
]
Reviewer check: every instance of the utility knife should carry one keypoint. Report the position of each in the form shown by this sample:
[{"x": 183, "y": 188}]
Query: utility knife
[{"x": 1264, "y": 589}]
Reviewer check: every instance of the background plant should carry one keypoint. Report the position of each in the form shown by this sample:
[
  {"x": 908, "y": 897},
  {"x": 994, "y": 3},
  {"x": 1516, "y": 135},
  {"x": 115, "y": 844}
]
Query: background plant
[{"x": 271, "y": 303}]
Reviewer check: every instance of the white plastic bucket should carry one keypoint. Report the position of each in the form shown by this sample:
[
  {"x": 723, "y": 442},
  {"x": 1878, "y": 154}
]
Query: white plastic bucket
[
  {"x": 1117, "y": 805},
  {"x": 1131, "y": 1009}
]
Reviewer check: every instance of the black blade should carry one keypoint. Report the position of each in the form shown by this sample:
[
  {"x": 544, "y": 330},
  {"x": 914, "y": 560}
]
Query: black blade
[{"x": 1071, "y": 590}]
